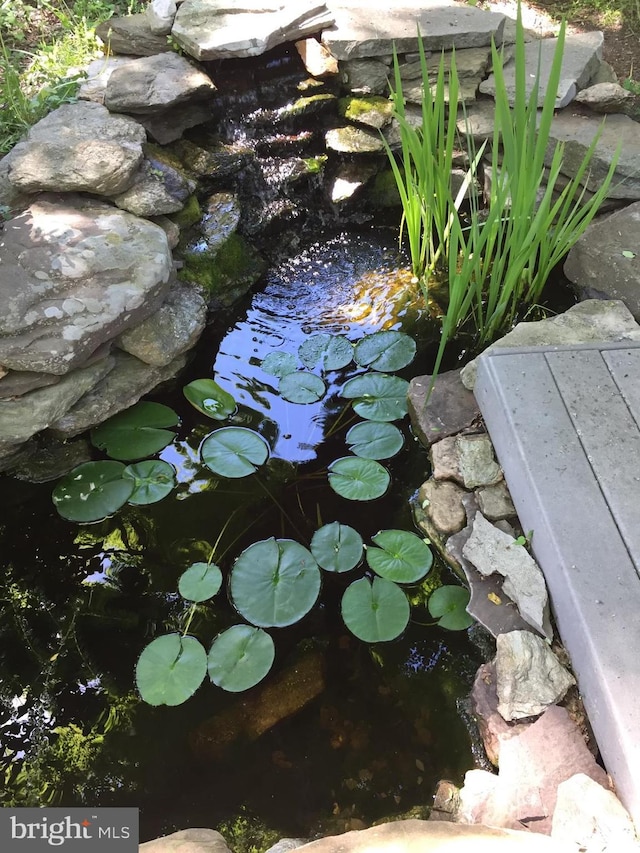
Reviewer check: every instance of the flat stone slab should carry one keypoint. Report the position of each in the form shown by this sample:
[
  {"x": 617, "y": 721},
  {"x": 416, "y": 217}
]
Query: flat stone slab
[
  {"x": 364, "y": 29},
  {"x": 565, "y": 425}
]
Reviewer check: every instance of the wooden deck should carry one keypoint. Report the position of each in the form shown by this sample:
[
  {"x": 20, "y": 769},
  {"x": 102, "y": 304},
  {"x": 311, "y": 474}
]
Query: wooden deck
[{"x": 565, "y": 423}]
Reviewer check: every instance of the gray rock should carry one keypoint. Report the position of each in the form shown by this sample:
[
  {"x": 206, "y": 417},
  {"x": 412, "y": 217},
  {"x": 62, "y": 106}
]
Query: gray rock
[
  {"x": 94, "y": 85},
  {"x": 132, "y": 36},
  {"x": 159, "y": 187},
  {"x": 529, "y": 676},
  {"x": 445, "y": 458},
  {"x": 451, "y": 408},
  {"x": 605, "y": 97},
  {"x": 174, "y": 328},
  {"x": 160, "y": 15},
  {"x": 604, "y": 74},
  {"x": 364, "y": 29},
  {"x": 371, "y": 111},
  {"x": 470, "y": 63},
  {"x": 169, "y": 125},
  {"x": 477, "y": 462},
  {"x": 441, "y": 501},
  {"x": 53, "y": 459},
  {"x": 491, "y": 550},
  {"x": 12, "y": 454},
  {"x": 366, "y": 76},
  {"x": 597, "y": 265},
  {"x": 287, "y": 844},
  {"x": 15, "y": 383},
  {"x": 128, "y": 381},
  {"x": 78, "y": 147},
  {"x": 484, "y": 704},
  {"x": 581, "y": 57},
  {"x": 353, "y": 140},
  {"x": 220, "y": 219},
  {"x": 495, "y": 502},
  {"x": 220, "y": 160},
  {"x": 316, "y": 58},
  {"x": 477, "y": 120},
  {"x": 77, "y": 272},
  {"x": 593, "y": 320},
  {"x": 349, "y": 178},
  {"x": 207, "y": 30},
  {"x": 155, "y": 83},
  {"x": 187, "y": 841}
]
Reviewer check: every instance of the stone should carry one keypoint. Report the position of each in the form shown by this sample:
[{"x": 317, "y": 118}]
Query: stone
[
  {"x": 171, "y": 229},
  {"x": 491, "y": 550},
  {"x": 160, "y": 186},
  {"x": 605, "y": 98},
  {"x": 77, "y": 272},
  {"x": 218, "y": 161},
  {"x": 445, "y": 458},
  {"x": 495, "y": 502},
  {"x": 597, "y": 264},
  {"x": 484, "y": 705},
  {"x": 316, "y": 58},
  {"x": 53, "y": 460},
  {"x": 365, "y": 76},
  {"x": 595, "y": 320},
  {"x": 286, "y": 844},
  {"x": 529, "y": 676},
  {"x": 441, "y": 501},
  {"x": 132, "y": 36},
  {"x": 446, "y": 801},
  {"x": 592, "y": 818},
  {"x": 98, "y": 71},
  {"x": 477, "y": 120},
  {"x": 227, "y": 273},
  {"x": 208, "y": 30},
  {"x": 128, "y": 381},
  {"x": 450, "y": 409},
  {"x": 370, "y": 111},
  {"x": 160, "y": 15},
  {"x": 15, "y": 383},
  {"x": 15, "y": 454},
  {"x": 477, "y": 463},
  {"x": 467, "y": 91},
  {"x": 220, "y": 219},
  {"x": 604, "y": 74},
  {"x": 580, "y": 59},
  {"x": 169, "y": 125},
  {"x": 368, "y": 29},
  {"x": 187, "y": 841},
  {"x": 353, "y": 140},
  {"x": 78, "y": 147},
  {"x": 349, "y": 178},
  {"x": 174, "y": 328}
]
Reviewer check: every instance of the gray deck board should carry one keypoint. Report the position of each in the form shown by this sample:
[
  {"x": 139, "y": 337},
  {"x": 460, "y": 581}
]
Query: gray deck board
[{"x": 570, "y": 449}]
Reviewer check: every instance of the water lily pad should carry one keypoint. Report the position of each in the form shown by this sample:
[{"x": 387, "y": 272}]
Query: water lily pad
[
  {"x": 358, "y": 479},
  {"x": 200, "y": 582},
  {"x": 302, "y": 387},
  {"x": 234, "y": 452},
  {"x": 240, "y": 657},
  {"x": 208, "y": 397},
  {"x": 92, "y": 491},
  {"x": 137, "y": 432},
  {"x": 401, "y": 556},
  {"x": 337, "y": 547},
  {"x": 375, "y": 440},
  {"x": 170, "y": 669},
  {"x": 375, "y": 611},
  {"x": 279, "y": 364},
  {"x": 152, "y": 481},
  {"x": 385, "y": 351},
  {"x": 274, "y": 583},
  {"x": 329, "y": 352},
  {"x": 377, "y": 396},
  {"x": 448, "y": 605}
]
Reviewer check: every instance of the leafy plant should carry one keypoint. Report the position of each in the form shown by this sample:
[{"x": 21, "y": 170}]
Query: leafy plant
[
  {"x": 375, "y": 440},
  {"x": 375, "y": 611},
  {"x": 448, "y": 605},
  {"x": 240, "y": 657},
  {"x": 358, "y": 479},
  {"x": 92, "y": 491},
  {"x": 208, "y": 397},
  {"x": 234, "y": 451},
  {"x": 170, "y": 669},
  {"x": 337, "y": 547},
  {"x": 137, "y": 432},
  {"x": 302, "y": 387},
  {"x": 401, "y": 556}
]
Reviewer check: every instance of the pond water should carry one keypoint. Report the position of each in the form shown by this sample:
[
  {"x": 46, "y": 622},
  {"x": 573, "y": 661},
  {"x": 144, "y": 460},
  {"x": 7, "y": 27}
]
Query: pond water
[{"x": 380, "y": 724}]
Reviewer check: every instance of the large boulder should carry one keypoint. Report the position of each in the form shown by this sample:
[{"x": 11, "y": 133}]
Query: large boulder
[
  {"x": 76, "y": 273},
  {"x": 160, "y": 186},
  {"x": 132, "y": 35}
]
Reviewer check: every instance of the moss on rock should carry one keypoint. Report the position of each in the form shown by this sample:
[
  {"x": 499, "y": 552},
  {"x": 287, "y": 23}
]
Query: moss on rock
[{"x": 227, "y": 274}]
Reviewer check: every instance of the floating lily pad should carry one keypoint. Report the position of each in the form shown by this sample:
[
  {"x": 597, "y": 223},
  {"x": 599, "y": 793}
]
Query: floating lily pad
[
  {"x": 375, "y": 440},
  {"x": 279, "y": 364},
  {"x": 274, "y": 583},
  {"x": 208, "y": 397},
  {"x": 152, "y": 481},
  {"x": 448, "y": 605},
  {"x": 377, "y": 396},
  {"x": 337, "y": 547},
  {"x": 375, "y": 612},
  {"x": 329, "y": 352},
  {"x": 92, "y": 491},
  {"x": 234, "y": 452},
  {"x": 301, "y": 387},
  {"x": 385, "y": 351},
  {"x": 240, "y": 657},
  {"x": 137, "y": 432},
  {"x": 358, "y": 479},
  {"x": 170, "y": 669},
  {"x": 200, "y": 582},
  {"x": 401, "y": 556}
]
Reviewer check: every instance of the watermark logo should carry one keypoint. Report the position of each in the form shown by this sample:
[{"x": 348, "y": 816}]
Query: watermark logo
[{"x": 76, "y": 830}]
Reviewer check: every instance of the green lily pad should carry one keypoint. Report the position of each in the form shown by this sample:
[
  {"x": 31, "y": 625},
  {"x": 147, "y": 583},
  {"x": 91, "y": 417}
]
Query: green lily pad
[
  {"x": 208, "y": 397},
  {"x": 337, "y": 547},
  {"x": 240, "y": 657},
  {"x": 200, "y": 582},
  {"x": 329, "y": 352},
  {"x": 377, "y": 396},
  {"x": 234, "y": 452},
  {"x": 375, "y": 440},
  {"x": 358, "y": 479},
  {"x": 92, "y": 491},
  {"x": 385, "y": 351},
  {"x": 137, "y": 432},
  {"x": 375, "y": 611},
  {"x": 301, "y": 387},
  {"x": 274, "y": 583},
  {"x": 170, "y": 669},
  {"x": 152, "y": 481},
  {"x": 448, "y": 605},
  {"x": 401, "y": 556},
  {"x": 279, "y": 364}
]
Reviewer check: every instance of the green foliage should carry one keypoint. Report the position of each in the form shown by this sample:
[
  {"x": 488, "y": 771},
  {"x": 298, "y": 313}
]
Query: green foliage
[
  {"x": 92, "y": 491},
  {"x": 358, "y": 479},
  {"x": 375, "y": 611},
  {"x": 170, "y": 669},
  {"x": 375, "y": 440},
  {"x": 240, "y": 657},
  {"x": 337, "y": 547},
  {"x": 153, "y": 480},
  {"x": 401, "y": 556},
  {"x": 377, "y": 396},
  {"x": 279, "y": 364},
  {"x": 234, "y": 452},
  {"x": 448, "y": 605},
  {"x": 208, "y": 397},
  {"x": 385, "y": 351},
  {"x": 301, "y": 387},
  {"x": 329, "y": 352},
  {"x": 137, "y": 432},
  {"x": 200, "y": 582}
]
